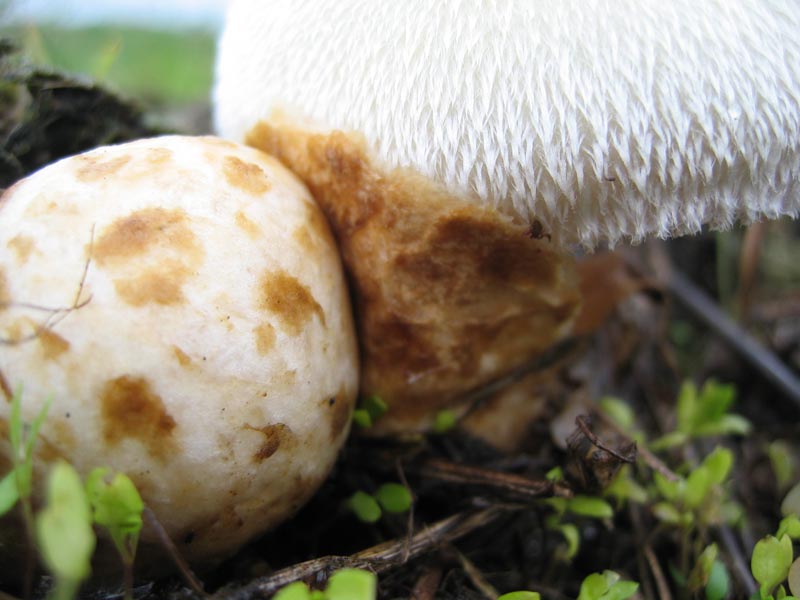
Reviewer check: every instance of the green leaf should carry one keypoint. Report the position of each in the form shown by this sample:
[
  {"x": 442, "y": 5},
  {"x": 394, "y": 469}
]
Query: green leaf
[
  {"x": 520, "y": 596},
  {"x": 670, "y": 440},
  {"x": 621, "y": 590},
  {"x": 618, "y": 411},
  {"x": 794, "y": 578},
  {"x": 666, "y": 512},
  {"x": 719, "y": 464},
  {"x": 669, "y": 490},
  {"x": 686, "y": 407},
  {"x": 365, "y": 507},
  {"x": 791, "y": 502},
  {"x": 64, "y": 528},
  {"x": 375, "y": 407},
  {"x": 294, "y": 591},
  {"x": 771, "y": 560},
  {"x": 698, "y": 483},
  {"x": 725, "y": 425},
  {"x": 8, "y": 492},
  {"x": 118, "y": 507},
  {"x": 789, "y": 526},
  {"x": 713, "y": 402},
  {"x": 361, "y": 418},
  {"x": 444, "y": 421},
  {"x": 573, "y": 537},
  {"x": 594, "y": 586},
  {"x": 624, "y": 487},
  {"x": 719, "y": 582},
  {"x": 590, "y": 506},
  {"x": 698, "y": 578},
  {"x": 555, "y": 474},
  {"x": 782, "y": 460},
  {"x": 352, "y": 584},
  {"x": 394, "y": 497},
  {"x": 36, "y": 424}
]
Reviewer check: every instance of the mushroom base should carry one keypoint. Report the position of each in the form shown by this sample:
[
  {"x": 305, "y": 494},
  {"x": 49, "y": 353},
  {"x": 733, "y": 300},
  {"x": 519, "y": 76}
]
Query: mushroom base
[{"x": 448, "y": 295}]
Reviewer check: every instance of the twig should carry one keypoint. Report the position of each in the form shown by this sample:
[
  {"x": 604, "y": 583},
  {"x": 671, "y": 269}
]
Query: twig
[
  {"x": 476, "y": 577},
  {"x": 187, "y": 574},
  {"x": 740, "y": 567},
  {"x": 56, "y": 314},
  {"x": 426, "y": 586},
  {"x": 648, "y": 457},
  {"x": 515, "y": 485},
  {"x": 658, "y": 574},
  {"x": 580, "y": 421},
  {"x": 378, "y": 559},
  {"x": 762, "y": 359},
  {"x": 401, "y": 474}
]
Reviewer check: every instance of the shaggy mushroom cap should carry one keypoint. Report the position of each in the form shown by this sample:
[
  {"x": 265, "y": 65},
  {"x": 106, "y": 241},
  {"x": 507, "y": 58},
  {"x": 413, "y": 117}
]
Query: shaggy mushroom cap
[
  {"x": 183, "y": 303},
  {"x": 604, "y": 121},
  {"x": 460, "y": 148}
]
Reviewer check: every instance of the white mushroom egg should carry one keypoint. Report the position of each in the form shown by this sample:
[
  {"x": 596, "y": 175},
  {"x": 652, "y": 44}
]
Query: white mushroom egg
[{"x": 182, "y": 301}]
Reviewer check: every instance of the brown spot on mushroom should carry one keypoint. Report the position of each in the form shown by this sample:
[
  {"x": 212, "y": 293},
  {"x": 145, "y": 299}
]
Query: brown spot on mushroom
[
  {"x": 23, "y": 246},
  {"x": 63, "y": 436},
  {"x": 246, "y": 176},
  {"x": 161, "y": 285},
  {"x": 447, "y": 295},
  {"x": 144, "y": 230},
  {"x": 246, "y": 225},
  {"x": 130, "y": 409},
  {"x": 183, "y": 359},
  {"x": 275, "y": 436},
  {"x": 290, "y": 300},
  {"x": 159, "y": 156},
  {"x": 53, "y": 345},
  {"x": 265, "y": 338},
  {"x": 95, "y": 167},
  {"x": 340, "y": 408},
  {"x": 5, "y": 294}
]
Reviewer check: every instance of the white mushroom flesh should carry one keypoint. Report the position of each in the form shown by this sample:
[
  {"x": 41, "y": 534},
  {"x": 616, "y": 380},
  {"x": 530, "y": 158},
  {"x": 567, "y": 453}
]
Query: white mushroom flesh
[{"x": 182, "y": 302}]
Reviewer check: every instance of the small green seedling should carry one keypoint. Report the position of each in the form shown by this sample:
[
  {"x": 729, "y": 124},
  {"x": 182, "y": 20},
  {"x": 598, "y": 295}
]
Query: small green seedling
[
  {"x": 783, "y": 461},
  {"x": 365, "y": 507},
  {"x": 345, "y": 584},
  {"x": 520, "y": 596},
  {"x": 394, "y": 498},
  {"x": 369, "y": 410},
  {"x": 770, "y": 564},
  {"x": 579, "y": 505},
  {"x": 699, "y": 497},
  {"x": 444, "y": 421},
  {"x": 772, "y": 561},
  {"x": 390, "y": 497},
  {"x": 64, "y": 531},
  {"x": 606, "y": 586},
  {"x": 791, "y": 502},
  {"x": 703, "y": 414},
  {"x": 117, "y": 506},
  {"x": 16, "y": 485},
  {"x": 709, "y": 574}
]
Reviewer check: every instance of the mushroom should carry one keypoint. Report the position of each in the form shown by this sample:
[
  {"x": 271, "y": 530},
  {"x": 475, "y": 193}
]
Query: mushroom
[
  {"x": 461, "y": 150},
  {"x": 182, "y": 301}
]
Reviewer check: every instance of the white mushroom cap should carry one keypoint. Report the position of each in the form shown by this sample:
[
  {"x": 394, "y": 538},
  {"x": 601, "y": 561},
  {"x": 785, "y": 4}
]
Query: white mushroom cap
[
  {"x": 182, "y": 301},
  {"x": 605, "y": 121}
]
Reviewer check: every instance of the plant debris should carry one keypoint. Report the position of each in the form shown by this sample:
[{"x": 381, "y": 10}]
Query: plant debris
[{"x": 45, "y": 116}]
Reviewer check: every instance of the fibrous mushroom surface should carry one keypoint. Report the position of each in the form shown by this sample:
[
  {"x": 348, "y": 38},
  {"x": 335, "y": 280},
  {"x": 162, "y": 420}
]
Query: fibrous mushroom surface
[
  {"x": 604, "y": 121},
  {"x": 182, "y": 301}
]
